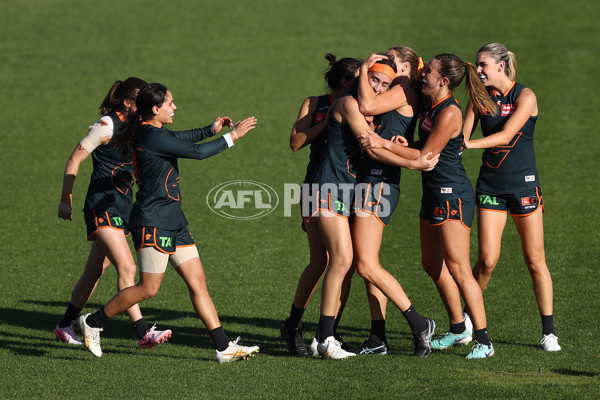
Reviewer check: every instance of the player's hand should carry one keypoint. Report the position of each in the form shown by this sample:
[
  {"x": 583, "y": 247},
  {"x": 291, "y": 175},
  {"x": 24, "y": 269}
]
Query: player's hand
[
  {"x": 242, "y": 127},
  {"x": 400, "y": 140},
  {"x": 466, "y": 144},
  {"x": 371, "y": 140},
  {"x": 65, "y": 211},
  {"x": 220, "y": 122},
  {"x": 424, "y": 163},
  {"x": 373, "y": 58}
]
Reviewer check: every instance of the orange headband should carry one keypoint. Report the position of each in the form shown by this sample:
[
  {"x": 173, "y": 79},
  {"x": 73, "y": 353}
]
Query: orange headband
[
  {"x": 384, "y": 69},
  {"x": 421, "y": 64}
]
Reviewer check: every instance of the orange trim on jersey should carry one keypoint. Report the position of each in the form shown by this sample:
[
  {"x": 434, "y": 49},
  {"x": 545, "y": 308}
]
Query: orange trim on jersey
[
  {"x": 496, "y": 93},
  {"x": 436, "y": 104},
  {"x": 112, "y": 175},
  {"x": 348, "y": 164},
  {"x": 121, "y": 117},
  {"x": 167, "y": 188},
  {"x": 509, "y": 89}
]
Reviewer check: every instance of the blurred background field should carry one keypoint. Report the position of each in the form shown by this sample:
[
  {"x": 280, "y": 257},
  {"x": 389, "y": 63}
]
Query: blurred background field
[{"x": 238, "y": 58}]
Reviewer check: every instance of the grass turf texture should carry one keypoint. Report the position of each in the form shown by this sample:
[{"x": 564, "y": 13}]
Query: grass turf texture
[{"x": 263, "y": 58}]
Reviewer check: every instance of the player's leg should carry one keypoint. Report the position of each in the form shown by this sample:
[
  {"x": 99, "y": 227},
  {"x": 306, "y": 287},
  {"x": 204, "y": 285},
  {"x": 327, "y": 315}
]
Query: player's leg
[
  {"x": 152, "y": 267},
  {"x": 96, "y": 264},
  {"x": 291, "y": 329},
  {"x": 335, "y": 232},
  {"x": 531, "y": 230},
  {"x": 490, "y": 225},
  {"x": 188, "y": 265},
  {"x": 455, "y": 240}
]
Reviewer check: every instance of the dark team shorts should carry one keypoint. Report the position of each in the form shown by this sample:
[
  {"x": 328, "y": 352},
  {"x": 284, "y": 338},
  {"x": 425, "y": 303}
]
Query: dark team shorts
[
  {"x": 437, "y": 213},
  {"x": 309, "y": 203},
  {"x": 162, "y": 240},
  {"x": 95, "y": 220},
  {"x": 379, "y": 199},
  {"x": 520, "y": 204},
  {"x": 335, "y": 198}
]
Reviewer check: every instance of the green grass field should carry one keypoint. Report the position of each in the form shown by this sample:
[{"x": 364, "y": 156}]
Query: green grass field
[{"x": 262, "y": 58}]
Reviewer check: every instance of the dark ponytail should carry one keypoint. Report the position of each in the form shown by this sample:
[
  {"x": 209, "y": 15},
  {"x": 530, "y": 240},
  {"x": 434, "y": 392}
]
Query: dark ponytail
[
  {"x": 344, "y": 68},
  {"x": 153, "y": 94},
  {"x": 120, "y": 91}
]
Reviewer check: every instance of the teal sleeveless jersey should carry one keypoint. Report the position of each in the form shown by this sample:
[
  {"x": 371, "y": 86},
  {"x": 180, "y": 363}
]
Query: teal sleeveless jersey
[
  {"x": 111, "y": 183},
  {"x": 448, "y": 180},
  {"x": 510, "y": 168},
  {"x": 386, "y": 125},
  {"x": 317, "y": 147},
  {"x": 342, "y": 154}
]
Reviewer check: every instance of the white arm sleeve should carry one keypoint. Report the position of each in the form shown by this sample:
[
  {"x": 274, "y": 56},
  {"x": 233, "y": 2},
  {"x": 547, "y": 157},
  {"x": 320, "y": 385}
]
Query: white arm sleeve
[{"x": 99, "y": 133}]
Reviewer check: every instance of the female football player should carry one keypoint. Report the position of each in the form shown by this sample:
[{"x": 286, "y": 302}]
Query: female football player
[
  {"x": 106, "y": 212},
  {"x": 308, "y": 129},
  {"x": 337, "y": 179},
  {"x": 447, "y": 205},
  {"x": 159, "y": 227},
  {"x": 508, "y": 179},
  {"x": 377, "y": 195}
]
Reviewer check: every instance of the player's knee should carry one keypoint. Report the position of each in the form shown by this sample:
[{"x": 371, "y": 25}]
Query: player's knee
[
  {"x": 146, "y": 291},
  {"x": 364, "y": 269},
  {"x": 538, "y": 268},
  {"x": 434, "y": 271},
  {"x": 92, "y": 275},
  {"x": 487, "y": 264},
  {"x": 127, "y": 274}
]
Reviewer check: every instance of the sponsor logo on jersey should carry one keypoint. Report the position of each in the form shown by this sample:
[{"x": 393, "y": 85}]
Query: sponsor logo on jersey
[
  {"x": 320, "y": 117},
  {"x": 427, "y": 124},
  {"x": 446, "y": 190},
  {"x": 507, "y": 109},
  {"x": 377, "y": 172},
  {"x": 530, "y": 178}
]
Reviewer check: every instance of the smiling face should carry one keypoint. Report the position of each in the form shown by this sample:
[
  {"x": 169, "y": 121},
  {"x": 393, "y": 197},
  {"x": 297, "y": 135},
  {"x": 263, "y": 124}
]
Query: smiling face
[
  {"x": 487, "y": 68},
  {"x": 431, "y": 77},
  {"x": 379, "y": 81},
  {"x": 164, "y": 114}
]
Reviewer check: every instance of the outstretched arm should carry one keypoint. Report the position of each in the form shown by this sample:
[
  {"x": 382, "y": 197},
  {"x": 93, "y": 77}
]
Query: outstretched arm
[{"x": 166, "y": 144}]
